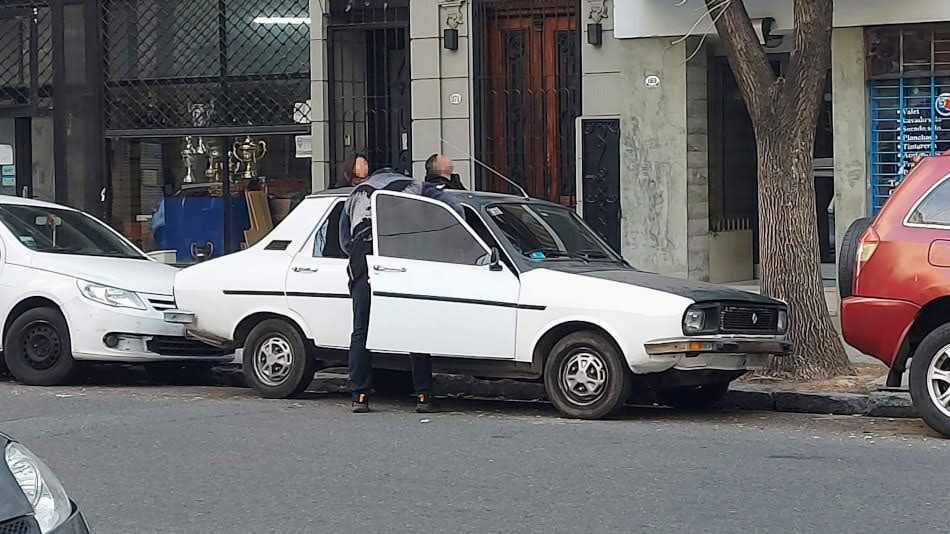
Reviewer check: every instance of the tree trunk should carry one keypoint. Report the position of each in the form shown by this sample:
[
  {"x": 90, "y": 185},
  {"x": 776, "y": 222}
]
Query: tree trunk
[
  {"x": 784, "y": 113},
  {"x": 790, "y": 261}
]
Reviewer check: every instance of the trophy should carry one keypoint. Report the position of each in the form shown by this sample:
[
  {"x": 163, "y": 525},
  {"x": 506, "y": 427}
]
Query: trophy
[
  {"x": 249, "y": 153},
  {"x": 213, "y": 172},
  {"x": 188, "y": 156}
]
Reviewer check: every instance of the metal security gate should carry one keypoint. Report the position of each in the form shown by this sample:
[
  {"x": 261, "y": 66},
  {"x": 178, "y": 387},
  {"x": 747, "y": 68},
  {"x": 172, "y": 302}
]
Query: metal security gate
[
  {"x": 909, "y": 71},
  {"x": 528, "y": 95},
  {"x": 369, "y": 75},
  {"x": 229, "y": 65},
  {"x": 600, "y": 162},
  {"x": 26, "y": 59}
]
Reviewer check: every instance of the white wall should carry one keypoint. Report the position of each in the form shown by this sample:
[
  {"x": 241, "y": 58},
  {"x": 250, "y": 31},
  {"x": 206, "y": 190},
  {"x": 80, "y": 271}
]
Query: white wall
[{"x": 658, "y": 18}]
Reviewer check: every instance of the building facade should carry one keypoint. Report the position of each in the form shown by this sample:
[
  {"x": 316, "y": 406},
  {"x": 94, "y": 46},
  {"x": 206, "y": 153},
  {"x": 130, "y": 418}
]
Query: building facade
[{"x": 113, "y": 106}]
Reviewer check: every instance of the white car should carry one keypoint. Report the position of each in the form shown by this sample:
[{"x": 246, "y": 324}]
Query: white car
[
  {"x": 72, "y": 288},
  {"x": 517, "y": 288}
]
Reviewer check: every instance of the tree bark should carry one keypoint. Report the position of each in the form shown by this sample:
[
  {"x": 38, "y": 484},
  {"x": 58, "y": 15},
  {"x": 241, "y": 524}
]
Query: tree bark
[{"x": 784, "y": 112}]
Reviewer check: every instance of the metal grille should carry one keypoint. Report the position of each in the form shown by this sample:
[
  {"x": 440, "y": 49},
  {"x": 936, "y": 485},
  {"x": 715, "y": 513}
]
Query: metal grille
[
  {"x": 206, "y": 63},
  {"x": 26, "y": 56},
  {"x": 528, "y": 95},
  {"x": 600, "y": 159},
  {"x": 910, "y": 101},
  {"x": 16, "y": 526},
  {"x": 176, "y": 346},
  {"x": 747, "y": 320},
  {"x": 370, "y": 107}
]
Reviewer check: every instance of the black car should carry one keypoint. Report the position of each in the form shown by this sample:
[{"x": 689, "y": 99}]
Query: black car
[{"x": 32, "y": 500}]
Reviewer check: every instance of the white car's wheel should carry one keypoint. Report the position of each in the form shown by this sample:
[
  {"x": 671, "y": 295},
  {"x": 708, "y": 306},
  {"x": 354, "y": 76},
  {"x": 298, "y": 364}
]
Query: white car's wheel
[
  {"x": 930, "y": 379},
  {"x": 276, "y": 362},
  {"x": 37, "y": 349},
  {"x": 585, "y": 376}
]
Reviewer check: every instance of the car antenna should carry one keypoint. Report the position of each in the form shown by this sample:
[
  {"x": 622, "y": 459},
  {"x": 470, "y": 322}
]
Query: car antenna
[{"x": 488, "y": 167}]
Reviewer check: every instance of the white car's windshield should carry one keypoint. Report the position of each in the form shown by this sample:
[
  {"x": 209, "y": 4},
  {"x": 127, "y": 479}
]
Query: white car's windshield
[
  {"x": 543, "y": 232},
  {"x": 63, "y": 232}
]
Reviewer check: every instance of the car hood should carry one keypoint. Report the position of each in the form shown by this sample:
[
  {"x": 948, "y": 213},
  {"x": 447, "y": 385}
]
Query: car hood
[
  {"x": 141, "y": 276},
  {"x": 696, "y": 291}
]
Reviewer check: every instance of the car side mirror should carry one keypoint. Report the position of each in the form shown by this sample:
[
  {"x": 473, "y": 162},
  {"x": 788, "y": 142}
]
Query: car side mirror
[{"x": 493, "y": 262}]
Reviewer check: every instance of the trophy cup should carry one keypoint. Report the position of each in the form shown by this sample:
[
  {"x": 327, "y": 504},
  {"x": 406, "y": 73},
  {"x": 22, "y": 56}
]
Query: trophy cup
[
  {"x": 188, "y": 156},
  {"x": 249, "y": 153},
  {"x": 213, "y": 172}
]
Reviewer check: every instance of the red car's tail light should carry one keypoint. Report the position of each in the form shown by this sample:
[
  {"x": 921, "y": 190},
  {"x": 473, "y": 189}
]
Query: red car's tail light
[{"x": 866, "y": 247}]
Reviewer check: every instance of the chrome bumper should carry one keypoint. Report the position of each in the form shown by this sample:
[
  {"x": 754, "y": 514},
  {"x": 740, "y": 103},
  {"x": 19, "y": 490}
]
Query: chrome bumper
[
  {"x": 179, "y": 317},
  {"x": 718, "y": 345}
]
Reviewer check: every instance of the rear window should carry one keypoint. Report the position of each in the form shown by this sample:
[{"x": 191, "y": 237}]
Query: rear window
[{"x": 935, "y": 208}]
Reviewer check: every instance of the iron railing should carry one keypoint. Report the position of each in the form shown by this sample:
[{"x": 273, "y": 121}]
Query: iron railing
[{"x": 26, "y": 56}]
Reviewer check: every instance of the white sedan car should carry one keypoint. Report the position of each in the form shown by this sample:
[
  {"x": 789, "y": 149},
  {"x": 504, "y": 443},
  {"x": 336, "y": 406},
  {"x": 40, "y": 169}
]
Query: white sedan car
[
  {"x": 516, "y": 288},
  {"x": 72, "y": 288}
]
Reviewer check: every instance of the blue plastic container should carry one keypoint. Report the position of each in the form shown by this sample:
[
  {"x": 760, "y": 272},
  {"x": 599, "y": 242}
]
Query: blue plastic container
[{"x": 198, "y": 221}]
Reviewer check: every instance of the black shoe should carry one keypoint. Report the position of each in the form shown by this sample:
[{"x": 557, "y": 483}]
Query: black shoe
[
  {"x": 424, "y": 404},
  {"x": 361, "y": 404}
]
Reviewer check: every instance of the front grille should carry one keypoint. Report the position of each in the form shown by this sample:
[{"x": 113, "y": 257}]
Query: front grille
[
  {"x": 748, "y": 320},
  {"x": 179, "y": 346},
  {"x": 21, "y": 525},
  {"x": 162, "y": 303}
]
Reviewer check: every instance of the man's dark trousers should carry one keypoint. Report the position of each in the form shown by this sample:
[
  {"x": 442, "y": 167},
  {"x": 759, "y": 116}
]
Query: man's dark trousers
[{"x": 361, "y": 361}]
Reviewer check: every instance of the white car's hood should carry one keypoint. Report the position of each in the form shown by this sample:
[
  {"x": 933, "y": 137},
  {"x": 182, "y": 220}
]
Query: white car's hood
[{"x": 140, "y": 276}]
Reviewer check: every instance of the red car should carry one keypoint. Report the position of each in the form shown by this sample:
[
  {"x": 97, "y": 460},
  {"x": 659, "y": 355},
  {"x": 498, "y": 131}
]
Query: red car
[{"x": 896, "y": 291}]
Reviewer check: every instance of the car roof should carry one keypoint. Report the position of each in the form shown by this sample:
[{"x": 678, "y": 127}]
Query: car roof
[
  {"x": 475, "y": 198},
  {"x": 20, "y": 201}
]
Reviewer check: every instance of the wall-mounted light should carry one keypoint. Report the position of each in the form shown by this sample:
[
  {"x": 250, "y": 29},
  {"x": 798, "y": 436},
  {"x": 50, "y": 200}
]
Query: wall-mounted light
[
  {"x": 450, "y": 39},
  {"x": 595, "y": 34},
  {"x": 763, "y": 29}
]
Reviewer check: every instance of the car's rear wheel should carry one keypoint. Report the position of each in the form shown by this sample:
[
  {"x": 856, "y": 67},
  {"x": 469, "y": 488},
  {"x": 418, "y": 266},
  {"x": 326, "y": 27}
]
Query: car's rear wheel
[
  {"x": 37, "y": 348},
  {"x": 930, "y": 379},
  {"x": 585, "y": 376},
  {"x": 702, "y": 397},
  {"x": 847, "y": 255},
  {"x": 276, "y": 361}
]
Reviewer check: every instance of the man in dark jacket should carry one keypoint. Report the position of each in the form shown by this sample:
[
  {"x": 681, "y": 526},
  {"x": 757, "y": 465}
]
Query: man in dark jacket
[
  {"x": 439, "y": 173},
  {"x": 356, "y": 239}
]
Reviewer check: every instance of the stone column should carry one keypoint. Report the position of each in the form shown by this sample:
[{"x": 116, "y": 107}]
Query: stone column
[
  {"x": 319, "y": 126},
  {"x": 653, "y": 159},
  {"x": 697, "y": 161},
  {"x": 850, "y": 104},
  {"x": 425, "y": 71}
]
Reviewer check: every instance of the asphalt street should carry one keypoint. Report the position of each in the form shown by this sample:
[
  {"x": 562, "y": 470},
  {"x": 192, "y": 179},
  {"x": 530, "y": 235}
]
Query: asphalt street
[{"x": 208, "y": 460}]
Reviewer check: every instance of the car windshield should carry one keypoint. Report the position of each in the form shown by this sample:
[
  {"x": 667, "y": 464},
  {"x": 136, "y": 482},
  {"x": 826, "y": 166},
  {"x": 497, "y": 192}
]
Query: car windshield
[
  {"x": 542, "y": 232},
  {"x": 63, "y": 232}
]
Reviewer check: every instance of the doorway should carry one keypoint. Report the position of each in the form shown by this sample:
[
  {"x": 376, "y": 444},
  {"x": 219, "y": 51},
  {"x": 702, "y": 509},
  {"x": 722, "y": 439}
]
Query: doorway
[
  {"x": 528, "y": 90},
  {"x": 369, "y": 80}
]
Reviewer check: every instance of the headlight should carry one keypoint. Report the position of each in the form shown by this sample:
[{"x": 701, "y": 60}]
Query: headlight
[
  {"x": 110, "y": 296},
  {"x": 694, "y": 321},
  {"x": 782, "y": 323},
  {"x": 51, "y": 506}
]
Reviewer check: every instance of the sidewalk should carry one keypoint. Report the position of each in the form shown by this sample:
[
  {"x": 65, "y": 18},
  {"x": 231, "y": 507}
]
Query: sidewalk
[{"x": 863, "y": 394}]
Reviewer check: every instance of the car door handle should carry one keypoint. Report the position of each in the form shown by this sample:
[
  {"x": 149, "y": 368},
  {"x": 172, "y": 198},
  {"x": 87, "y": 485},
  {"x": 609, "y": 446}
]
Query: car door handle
[
  {"x": 383, "y": 269},
  {"x": 305, "y": 269}
]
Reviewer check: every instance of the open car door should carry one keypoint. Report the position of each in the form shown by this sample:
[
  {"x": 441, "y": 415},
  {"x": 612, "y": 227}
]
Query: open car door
[{"x": 435, "y": 288}]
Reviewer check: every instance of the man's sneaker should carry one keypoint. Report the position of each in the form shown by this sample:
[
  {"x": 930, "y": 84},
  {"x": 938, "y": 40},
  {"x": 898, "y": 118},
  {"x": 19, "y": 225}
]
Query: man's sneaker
[
  {"x": 361, "y": 404},
  {"x": 424, "y": 404}
]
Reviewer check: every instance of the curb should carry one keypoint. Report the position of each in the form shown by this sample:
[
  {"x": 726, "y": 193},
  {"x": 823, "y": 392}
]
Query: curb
[{"x": 896, "y": 404}]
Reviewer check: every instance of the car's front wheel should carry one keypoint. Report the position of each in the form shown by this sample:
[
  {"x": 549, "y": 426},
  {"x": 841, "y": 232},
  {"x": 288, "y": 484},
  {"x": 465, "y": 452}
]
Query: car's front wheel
[
  {"x": 37, "y": 348},
  {"x": 700, "y": 397},
  {"x": 930, "y": 379},
  {"x": 276, "y": 362},
  {"x": 585, "y": 376}
]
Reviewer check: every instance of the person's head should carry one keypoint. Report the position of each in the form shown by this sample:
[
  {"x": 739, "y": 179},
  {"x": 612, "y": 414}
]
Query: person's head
[
  {"x": 439, "y": 165},
  {"x": 355, "y": 169}
]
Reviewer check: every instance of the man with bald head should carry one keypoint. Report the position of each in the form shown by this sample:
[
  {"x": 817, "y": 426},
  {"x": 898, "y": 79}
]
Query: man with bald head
[{"x": 439, "y": 173}]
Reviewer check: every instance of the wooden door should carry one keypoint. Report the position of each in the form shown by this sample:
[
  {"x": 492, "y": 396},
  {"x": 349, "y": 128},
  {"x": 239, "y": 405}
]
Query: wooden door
[{"x": 531, "y": 102}]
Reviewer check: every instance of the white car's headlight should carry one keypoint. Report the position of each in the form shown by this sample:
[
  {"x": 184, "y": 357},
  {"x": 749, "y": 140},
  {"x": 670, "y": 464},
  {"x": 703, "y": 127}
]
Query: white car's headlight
[
  {"x": 694, "y": 321},
  {"x": 782, "y": 322},
  {"x": 110, "y": 296},
  {"x": 51, "y": 506}
]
